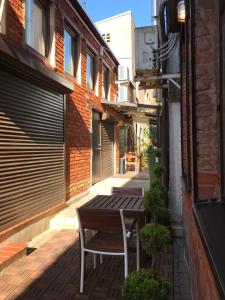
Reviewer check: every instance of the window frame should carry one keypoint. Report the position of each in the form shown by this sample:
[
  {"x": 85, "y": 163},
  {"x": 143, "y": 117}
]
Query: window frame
[
  {"x": 45, "y": 7},
  {"x": 93, "y": 70},
  {"x": 106, "y": 93},
  {"x": 2, "y": 16}
]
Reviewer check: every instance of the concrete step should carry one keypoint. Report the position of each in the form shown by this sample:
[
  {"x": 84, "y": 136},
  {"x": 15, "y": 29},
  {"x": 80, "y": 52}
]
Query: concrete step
[
  {"x": 60, "y": 222},
  {"x": 10, "y": 253}
]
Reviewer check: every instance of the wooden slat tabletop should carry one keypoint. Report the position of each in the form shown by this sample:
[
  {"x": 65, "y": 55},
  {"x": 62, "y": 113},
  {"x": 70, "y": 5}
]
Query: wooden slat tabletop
[{"x": 115, "y": 202}]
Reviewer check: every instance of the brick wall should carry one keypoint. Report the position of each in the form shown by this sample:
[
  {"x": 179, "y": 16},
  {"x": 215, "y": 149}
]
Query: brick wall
[
  {"x": 206, "y": 80},
  {"x": 81, "y": 102},
  {"x": 202, "y": 280}
]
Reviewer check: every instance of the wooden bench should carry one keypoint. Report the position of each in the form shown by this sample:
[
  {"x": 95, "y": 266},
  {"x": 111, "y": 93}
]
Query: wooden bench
[{"x": 11, "y": 252}]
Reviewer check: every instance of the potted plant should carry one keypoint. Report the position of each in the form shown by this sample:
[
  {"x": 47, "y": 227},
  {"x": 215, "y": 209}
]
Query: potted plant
[
  {"x": 155, "y": 239},
  {"x": 146, "y": 285},
  {"x": 163, "y": 216}
]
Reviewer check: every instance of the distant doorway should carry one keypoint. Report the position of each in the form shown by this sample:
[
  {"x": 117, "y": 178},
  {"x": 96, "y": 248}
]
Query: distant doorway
[{"x": 96, "y": 147}]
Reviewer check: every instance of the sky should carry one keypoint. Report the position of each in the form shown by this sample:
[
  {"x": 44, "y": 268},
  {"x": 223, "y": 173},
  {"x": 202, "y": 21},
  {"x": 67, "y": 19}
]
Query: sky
[{"x": 102, "y": 9}]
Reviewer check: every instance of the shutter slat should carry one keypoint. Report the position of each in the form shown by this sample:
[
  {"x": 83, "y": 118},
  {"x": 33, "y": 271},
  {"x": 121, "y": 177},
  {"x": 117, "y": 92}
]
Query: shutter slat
[
  {"x": 107, "y": 149},
  {"x": 31, "y": 150}
]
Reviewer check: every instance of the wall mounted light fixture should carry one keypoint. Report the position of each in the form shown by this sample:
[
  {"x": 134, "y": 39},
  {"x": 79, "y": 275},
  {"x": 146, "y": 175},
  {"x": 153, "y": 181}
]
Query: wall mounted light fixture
[{"x": 181, "y": 11}]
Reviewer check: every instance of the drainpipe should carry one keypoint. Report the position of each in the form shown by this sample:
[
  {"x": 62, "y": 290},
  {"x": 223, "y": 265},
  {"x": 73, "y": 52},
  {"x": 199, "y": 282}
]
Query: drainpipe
[
  {"x": 193, "y": 93},
  {"x": 153, "y": 11}
]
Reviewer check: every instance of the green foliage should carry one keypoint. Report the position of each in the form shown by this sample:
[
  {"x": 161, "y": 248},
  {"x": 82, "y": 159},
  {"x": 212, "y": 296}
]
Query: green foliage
[
  {"x": 157, "y": 153},
  {"x": 155, "y": 239},
  {"x": 155, "y": 183},
  {"x": 153, "y": 200},
  {"x": 159, "y": 170},
  {"x": 146, "y": 285},
  {"x": 163, "y": 216}
]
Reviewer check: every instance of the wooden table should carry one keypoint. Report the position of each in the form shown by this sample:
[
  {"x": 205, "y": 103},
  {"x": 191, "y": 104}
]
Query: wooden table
[{"x": 132, "y": 207}]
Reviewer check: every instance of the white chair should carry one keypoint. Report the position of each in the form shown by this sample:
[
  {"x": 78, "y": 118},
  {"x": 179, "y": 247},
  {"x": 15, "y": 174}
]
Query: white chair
[{"x": 110, "y": 237}]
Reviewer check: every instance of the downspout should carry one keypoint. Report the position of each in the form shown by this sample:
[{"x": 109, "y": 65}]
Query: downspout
[
  {"x": 193, "y": 93},
  {"x": 153, "y": 12}
]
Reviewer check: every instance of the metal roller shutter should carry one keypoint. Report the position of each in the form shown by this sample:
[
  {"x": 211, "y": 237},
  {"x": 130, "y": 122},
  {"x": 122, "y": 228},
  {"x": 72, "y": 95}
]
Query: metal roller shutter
[
  {"x": 107, "y": 149},
  {"x": 31, "y": 149}
]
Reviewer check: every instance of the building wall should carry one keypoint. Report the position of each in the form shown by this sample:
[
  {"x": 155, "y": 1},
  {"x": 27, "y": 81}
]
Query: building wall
[
  {"x": 122, "y": 36},
  {"x": 200, "y": 134},
  {"x": 81, "y": 102}
]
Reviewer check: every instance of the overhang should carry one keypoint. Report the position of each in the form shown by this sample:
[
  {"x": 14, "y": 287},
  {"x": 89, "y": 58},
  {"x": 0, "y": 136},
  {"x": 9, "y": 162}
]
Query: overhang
[
  {"x": 22, "y": 64},
  {"x": 141, "y": 113}
]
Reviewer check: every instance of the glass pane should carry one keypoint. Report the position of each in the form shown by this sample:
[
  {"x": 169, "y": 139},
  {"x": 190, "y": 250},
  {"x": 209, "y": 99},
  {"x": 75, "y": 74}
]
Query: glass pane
[
  {"x": 106, "y": 82},
  {"x": 89, "y": 72},
  {"x": 68, "y": 53},
  {"x": 38, "y": 29}
]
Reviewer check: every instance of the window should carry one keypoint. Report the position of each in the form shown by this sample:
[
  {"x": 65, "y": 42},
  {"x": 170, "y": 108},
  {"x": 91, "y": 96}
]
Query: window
[
  {"x": 37, "y": 25},
  {"x": 70, "y": 53},
  {"x": 2, "y": 15},
  {"x": 106, "y": 82},
  {"x": 91, "y": 71},
  {"x": 106, "y": 37}
]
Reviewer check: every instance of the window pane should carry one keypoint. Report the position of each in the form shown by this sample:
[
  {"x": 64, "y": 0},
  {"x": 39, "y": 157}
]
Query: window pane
[
  {"x": 38, "y": 29},
  {"x": 90, "y": 72},
  {"x": 68, "y": 53},
  {"x": 106, "y": 82}
]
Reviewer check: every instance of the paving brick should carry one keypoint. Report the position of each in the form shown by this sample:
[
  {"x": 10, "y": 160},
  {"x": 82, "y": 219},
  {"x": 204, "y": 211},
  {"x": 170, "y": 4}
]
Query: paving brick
[{"x": 58, "y": 278}]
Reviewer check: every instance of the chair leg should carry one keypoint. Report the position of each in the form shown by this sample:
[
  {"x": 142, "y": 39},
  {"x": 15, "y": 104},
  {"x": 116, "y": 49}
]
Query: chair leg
[
  {"x": 94, "y": 260},
  {"x": 137, "y": 248},
  {"x": 82, "y": 272},
  {"x": 101, "y": 259},
  {"x": 125, "y": 264}
]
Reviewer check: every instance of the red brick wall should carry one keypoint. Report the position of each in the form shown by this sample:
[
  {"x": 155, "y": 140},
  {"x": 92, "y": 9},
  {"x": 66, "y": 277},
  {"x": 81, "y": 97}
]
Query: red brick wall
[
  {"x": 207, "y": 136},
  {"x": 207, "y": 97},
  {"x": 80, "y": 103},
  {"x": 202, "y": 280}
]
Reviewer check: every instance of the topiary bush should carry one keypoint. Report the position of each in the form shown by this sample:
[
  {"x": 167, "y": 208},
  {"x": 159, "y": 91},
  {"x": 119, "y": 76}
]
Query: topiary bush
[
  {"x": 163, "y": 216},
  {"x": 157, "y": 153},
  {"x": 155, "y": 239},
  {"x": 146, "y": 285},
  {"x": 152, "y": 201},
  {"x": 159, "y": 170}
]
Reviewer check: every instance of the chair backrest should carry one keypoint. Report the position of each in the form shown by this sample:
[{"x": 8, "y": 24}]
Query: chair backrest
[
  {"x": 130, "y": 155},
  {"x": 138, "y": 192},
  {"x": 105, "y": 221}
]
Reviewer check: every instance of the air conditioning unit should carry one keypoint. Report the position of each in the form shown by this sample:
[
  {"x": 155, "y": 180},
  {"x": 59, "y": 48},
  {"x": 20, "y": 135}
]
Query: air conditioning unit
[
  {"x": 123, "y": 93},
  {"x": 123, "y": 73}
]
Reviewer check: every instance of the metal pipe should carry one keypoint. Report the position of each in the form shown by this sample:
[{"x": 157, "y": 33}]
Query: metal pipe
[
  {"x": 153, "y": 11},
  {"x": 193, "y": 88}
]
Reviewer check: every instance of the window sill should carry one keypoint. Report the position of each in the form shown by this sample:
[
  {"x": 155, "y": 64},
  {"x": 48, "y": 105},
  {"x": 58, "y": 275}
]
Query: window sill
[{"x": 210, "y": 218}]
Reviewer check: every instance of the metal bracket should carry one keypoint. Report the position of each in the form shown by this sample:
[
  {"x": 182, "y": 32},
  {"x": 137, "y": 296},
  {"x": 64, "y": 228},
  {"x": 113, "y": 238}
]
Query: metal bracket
[{"x": 175, "y": 83}]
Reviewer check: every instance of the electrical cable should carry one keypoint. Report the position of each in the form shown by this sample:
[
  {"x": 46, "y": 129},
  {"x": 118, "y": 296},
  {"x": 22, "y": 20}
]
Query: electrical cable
[
  {"x": 173, "y": 39},
  {"x": 169, "y": 50}
]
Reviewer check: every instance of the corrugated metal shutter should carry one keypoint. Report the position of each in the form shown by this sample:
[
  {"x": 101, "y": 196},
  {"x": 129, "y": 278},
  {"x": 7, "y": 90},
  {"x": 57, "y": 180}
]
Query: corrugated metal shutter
[
  {"x": 107, "y": 149},
  {"x": 31, "y": 149}
]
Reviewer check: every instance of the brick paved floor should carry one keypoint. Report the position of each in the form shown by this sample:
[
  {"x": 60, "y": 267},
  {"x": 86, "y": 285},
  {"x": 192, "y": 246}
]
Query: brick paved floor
[{"x": 52, "y": 272}]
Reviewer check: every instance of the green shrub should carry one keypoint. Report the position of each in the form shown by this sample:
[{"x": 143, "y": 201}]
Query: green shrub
[
  {"x": 155, "y": 239},
  {"x": 146, "y": 285},
  {"x": 155, "y": 183},
  {"x": 153, "y": 200},
  {"x": 157, "y": 153},
  {"x": 163, "y": 216},
  {"x": 159, "y": 170}
]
